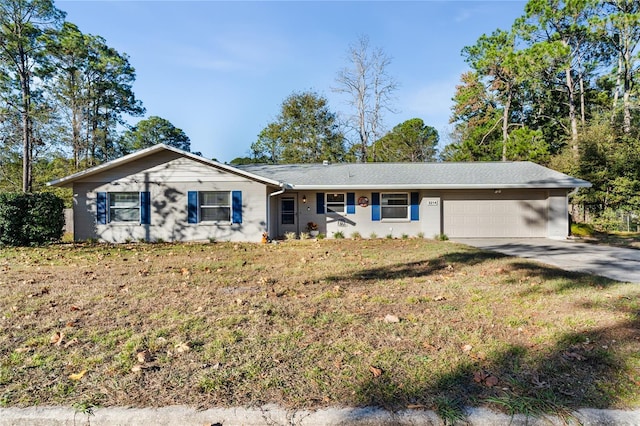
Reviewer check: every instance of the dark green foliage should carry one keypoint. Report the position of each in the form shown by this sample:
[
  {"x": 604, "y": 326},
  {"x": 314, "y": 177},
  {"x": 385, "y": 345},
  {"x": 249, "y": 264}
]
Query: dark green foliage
[
  {"x": 306, "y": 131},
  {"x": 30, "y": 219},
  {"x": 410, "y": 141},
  {"x": 152, "y": 131}
]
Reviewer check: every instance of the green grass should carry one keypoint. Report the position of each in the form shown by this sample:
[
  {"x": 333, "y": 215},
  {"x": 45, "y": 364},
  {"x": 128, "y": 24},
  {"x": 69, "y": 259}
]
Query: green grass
[
  {"x": 302, "y": 324},
  {"x": 582, "y": 230}
]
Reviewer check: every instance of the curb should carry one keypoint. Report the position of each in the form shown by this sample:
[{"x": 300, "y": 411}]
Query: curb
[{"x": 275, "y": 415}]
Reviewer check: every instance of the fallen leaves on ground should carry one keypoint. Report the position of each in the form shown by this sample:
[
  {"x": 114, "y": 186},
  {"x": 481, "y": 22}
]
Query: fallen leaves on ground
[
  {"x": 377, "y": 372},
  {"x": 77, "y": 376},
  {"x": 485, "y": 378}
]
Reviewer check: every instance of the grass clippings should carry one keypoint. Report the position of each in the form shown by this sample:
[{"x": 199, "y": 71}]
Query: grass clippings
[{"x": 395, "y": 323}]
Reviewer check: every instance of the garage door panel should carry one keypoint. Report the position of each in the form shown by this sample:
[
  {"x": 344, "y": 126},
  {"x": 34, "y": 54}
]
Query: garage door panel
[{"x": 490, "y": 217}]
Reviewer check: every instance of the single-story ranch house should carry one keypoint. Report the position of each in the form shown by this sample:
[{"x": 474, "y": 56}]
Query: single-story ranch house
[{"x": 165, "y": 194}]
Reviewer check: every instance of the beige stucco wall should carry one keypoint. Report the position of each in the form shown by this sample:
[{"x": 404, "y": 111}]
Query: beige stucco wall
[
  {"x": 359, "y": 222},
  {"x": 558, "y": 225},
  {"x": 526, "y": 213},
  {"x": 168, "y": 177}
]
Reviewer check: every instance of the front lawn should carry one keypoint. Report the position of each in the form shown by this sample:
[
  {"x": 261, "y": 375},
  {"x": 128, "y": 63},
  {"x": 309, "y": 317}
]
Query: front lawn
[{"x": 405, "y": 323}]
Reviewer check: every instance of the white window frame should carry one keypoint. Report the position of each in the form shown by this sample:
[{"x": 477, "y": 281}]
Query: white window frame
[
  {"x": 328, "y": 204},
  {"x": 114, "y": 208},
  {"x": 384, "y": 205},
  {"x": 202, "y": 206}
]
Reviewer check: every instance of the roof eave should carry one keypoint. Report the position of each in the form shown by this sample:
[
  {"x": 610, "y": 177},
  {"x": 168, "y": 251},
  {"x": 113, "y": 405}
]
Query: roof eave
[
  {"x": 568, "y": 185},
  {"x": 67, "y": 181}
]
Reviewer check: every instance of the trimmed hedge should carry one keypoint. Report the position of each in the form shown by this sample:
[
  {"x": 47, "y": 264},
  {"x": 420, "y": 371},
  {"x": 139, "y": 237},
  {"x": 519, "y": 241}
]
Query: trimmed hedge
[{"x": 30, "y": 219}]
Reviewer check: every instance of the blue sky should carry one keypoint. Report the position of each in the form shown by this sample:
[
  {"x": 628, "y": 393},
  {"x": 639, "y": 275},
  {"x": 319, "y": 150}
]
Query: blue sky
[{"x": 220, "y": 70}]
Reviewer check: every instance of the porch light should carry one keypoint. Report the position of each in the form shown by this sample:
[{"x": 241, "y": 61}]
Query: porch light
[{"x": 304, "y": 199}]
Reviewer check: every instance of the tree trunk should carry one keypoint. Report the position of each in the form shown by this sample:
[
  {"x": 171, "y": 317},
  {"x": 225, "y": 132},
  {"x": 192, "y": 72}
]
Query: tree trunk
[
  {"x": 572, "y": 110},
  {"x": 583, "y": 120},
  {"x": 364, "y": 140},
  {"x": 505, "y": 124},
  {"x": 626, "y": 103},
  {"x": 26, "y": 122}
]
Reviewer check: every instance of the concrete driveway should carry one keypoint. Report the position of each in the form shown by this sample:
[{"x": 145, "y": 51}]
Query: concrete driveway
[{"x": 621, "y": 264}]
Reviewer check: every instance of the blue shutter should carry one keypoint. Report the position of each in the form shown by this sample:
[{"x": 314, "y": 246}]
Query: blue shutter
[
  {"x": 415, "y": 206},
  {"x": 101, "y": 208},
  {"x": 375, "y": 206},
  {"x": 320, "y": 202},
  {"x": 236, "y": 206},
  {"x": 192, "y": 207},
  {"x": 351, "y": 202},
  {"x": 145, "y": 208}
]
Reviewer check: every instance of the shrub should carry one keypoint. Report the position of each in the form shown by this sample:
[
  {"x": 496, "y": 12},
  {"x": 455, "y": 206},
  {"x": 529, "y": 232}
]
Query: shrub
[
  {"x": 290, "y": 236},
  {"x": 356, "y": 235},
  {"x": 441, "y": 237},
  {"x": 373, "y": 235},
  {"x": 30, "y": 219},
  {"x": 338, "y": 235},
  {"x": 582, "y": 230}
]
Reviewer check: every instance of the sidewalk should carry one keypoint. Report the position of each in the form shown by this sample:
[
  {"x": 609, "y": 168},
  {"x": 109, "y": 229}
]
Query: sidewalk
[{"x": 274, "y": 415}]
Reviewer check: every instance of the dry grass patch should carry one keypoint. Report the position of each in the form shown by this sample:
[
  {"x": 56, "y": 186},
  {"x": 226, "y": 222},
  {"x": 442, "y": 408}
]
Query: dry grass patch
[{"x": 392, "y": 323}]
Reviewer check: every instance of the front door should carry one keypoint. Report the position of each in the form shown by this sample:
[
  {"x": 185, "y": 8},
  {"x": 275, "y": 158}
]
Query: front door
[{"x": 288, "y": 216}]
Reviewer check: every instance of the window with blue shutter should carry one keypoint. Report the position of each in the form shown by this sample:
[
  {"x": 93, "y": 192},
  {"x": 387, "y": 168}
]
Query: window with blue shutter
[
  {"x": 192, "y": 206},
  {"x": 101, "y": 208},
  {"x": 236, "y": 206},
  {"x": 351, "y": 202},
  {"x": 415, "y": 206},
  {"x": 320, "y": 202},
  {"x": 375, "y": 206},
  {"x": 145, "y": 208}
]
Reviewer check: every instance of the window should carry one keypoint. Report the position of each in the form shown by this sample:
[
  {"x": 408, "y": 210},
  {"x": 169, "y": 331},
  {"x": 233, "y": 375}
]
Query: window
[
  {"x": 124, "y": 207},
  {"x": 215, "y": 206},
  {"x": 394, "y": 206},
  {"x": 288, "y": 211},
  {"x": 335, "y": 203}
]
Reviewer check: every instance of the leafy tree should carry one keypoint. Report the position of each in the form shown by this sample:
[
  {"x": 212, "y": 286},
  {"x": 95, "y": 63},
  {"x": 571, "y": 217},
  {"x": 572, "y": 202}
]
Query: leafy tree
[
  {"x": 560, "y": 30},
  {"x": 69, "y": 53},
  {"x": 22, "y": 56},
  {"x": 92, "y": 84},
  {"x": 527, "y": 145},
  {"x": 305, "y": 131},
  {"x": 369, "y": 88},
  {"x": 110, "y": 78},
  {"x": 240, "y": 161},
  {"x": 411, "y": 141},
  {"x": 494, "y": 57},
  {"x": 152, "y": 131},
  {"x": 475, "y": 118},
  {"x": 619, "y": 27}
]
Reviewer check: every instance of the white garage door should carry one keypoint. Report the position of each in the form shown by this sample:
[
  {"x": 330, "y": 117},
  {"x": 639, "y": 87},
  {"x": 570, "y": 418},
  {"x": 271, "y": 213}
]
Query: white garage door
[{"x": 469, "y": 215}]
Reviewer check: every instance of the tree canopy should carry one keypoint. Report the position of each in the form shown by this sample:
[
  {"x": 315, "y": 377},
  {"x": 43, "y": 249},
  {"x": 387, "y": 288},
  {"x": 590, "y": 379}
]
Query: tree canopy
[
  {"x": 410, "y": 141},
  {"x": 65, "y": 98},
  {"x": 559, "y": 88},
  {"x": 152, "y": 131},
  {"x": 305, "y": 131}
]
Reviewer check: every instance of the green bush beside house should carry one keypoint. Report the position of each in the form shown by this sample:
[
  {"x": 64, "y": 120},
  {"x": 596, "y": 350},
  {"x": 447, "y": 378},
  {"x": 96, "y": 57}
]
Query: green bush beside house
[{"x": 30, "y": 219}]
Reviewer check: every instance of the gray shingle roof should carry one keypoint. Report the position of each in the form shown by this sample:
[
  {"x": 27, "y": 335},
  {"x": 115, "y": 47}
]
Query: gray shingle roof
[{"x": 474, "y": 175}]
